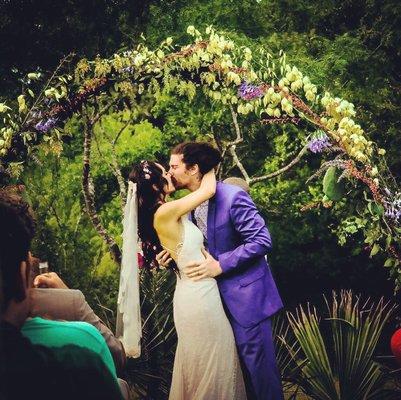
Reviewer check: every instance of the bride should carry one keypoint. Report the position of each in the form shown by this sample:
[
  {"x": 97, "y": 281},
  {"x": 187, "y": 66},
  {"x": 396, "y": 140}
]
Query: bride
[{"x": 206, "y": 364}]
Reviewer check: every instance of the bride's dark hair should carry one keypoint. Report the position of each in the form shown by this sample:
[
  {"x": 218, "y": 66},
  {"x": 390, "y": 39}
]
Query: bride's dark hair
[{"x": 150, "y": 182}]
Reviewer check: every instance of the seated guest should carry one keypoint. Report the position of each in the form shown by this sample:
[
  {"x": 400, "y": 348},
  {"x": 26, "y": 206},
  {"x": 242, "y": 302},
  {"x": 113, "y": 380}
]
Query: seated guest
[
  {"x": 242, "y": 183},
  {"x": 51, "y": 333},
  {"x": 52, "y": 299},
  {"x": 28, "y": 370}
]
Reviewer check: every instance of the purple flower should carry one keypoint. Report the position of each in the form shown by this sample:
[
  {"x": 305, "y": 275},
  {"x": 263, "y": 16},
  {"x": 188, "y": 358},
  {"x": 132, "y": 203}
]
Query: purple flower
[
  {"x": 393, "y": 210},
  {"x": 129, "y": 70},
  {"x": 319, "y": 143},
  {"x": 248, "y": 92},
  {"x": 46, "y": 126}
]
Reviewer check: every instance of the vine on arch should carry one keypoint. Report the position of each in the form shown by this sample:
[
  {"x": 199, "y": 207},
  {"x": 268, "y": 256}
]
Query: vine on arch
[{"x": 245, "y": 82}]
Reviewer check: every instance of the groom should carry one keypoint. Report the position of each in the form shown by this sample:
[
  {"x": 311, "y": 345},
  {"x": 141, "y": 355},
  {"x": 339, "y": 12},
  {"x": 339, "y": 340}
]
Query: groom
[{"x": 237, "y": 240}]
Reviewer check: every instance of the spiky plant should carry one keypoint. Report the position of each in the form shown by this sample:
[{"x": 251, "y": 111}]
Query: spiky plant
[
  {"x": 284, "y": 340},
  {"x": 336, "y": 361},
  {"x": 150, "y": 374}
]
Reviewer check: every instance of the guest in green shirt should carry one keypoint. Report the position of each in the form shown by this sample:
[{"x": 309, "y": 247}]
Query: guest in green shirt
[
  {"x": 30, "y": 371},
  {"x": 60, "y": 333}
]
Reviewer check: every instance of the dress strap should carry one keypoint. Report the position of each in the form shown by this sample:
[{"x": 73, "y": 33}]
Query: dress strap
[{"x": 180, "y": 244}]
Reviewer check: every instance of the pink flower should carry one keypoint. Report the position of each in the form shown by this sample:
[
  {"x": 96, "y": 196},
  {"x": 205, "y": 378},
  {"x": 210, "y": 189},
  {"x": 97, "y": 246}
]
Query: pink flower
[{"x": 141, "y": 260}]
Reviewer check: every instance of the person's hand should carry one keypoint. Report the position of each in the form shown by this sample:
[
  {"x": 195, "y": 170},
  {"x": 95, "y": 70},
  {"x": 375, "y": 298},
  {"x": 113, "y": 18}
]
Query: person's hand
[
  {"x": 208, "y": 268},
  {"x": 49, "y": 280},
  {"x": 209, "y": 178},
  {"x": 210, "y": 174},
  {"x": 164, "y": 259},
  {"x": 209, "y": 182}
]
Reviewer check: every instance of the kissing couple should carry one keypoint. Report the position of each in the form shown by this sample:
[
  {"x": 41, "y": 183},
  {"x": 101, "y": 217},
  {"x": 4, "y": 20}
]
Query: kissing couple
[{"x": 216, "y": 241}]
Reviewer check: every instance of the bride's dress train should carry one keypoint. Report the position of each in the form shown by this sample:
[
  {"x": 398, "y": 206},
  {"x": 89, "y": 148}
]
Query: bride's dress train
[{"x": 206, "y": 364}]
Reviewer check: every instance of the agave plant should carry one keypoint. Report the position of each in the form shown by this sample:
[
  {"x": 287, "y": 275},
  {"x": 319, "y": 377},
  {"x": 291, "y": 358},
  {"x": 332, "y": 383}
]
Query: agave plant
[
  {"x": 286, "y": 346},
  {"x": 150, "y": 374},
  {"x": 335, "y": 360}
]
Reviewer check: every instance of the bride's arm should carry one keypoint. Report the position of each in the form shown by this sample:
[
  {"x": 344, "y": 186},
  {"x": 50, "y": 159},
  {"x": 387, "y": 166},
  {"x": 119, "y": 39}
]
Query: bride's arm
[{"x": 180, "y": 207}]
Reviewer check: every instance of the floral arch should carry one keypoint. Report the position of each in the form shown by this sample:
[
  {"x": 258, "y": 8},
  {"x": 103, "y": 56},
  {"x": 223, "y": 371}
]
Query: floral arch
[{"x": 245, "y": 82}]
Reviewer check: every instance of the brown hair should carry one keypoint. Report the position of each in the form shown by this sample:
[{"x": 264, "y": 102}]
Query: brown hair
[
  {"x": 150, "y": 192},
  {"x": 201, "y": 153}
]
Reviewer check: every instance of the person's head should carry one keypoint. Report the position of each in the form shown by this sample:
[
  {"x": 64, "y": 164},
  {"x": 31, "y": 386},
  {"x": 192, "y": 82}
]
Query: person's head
[
  {"x": 17, "y": 230},
  {"x": 153, "y": 185},
  {"x": 153, "y": 182},
  {"x": 242, "y": 183},
  {"x": 189, "y": 161}
]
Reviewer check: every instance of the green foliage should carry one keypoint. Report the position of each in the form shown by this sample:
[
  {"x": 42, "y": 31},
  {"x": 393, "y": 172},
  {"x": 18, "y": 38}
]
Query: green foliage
[
  {"x": 332, "y": 188},
  {"x": 126, "y": 76},
  {"x": 349, "y": 48},
  {"x": 141, "y": 139}
]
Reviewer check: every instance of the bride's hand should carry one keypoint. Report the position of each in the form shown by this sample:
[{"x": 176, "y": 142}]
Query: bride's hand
[
  {"x": 209, "y": 181},
  {"x": 164, "y": 259}
]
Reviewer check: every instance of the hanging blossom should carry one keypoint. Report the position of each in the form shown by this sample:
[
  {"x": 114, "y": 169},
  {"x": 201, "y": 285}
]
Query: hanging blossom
[
  {"x": 47, "y": 125},
  {"x": 249, "y": 92},
  {"x": 319, "y": 143},
  {"x": 393, "y": 207}
]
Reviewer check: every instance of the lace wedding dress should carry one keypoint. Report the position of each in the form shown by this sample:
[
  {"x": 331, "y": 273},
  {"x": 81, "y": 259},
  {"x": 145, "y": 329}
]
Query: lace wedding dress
[{"x": 206, "y": 365}]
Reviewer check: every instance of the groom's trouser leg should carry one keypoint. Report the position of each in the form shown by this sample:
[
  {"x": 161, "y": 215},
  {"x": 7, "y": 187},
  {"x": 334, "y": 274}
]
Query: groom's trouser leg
[{"x": 258, "y": 361}]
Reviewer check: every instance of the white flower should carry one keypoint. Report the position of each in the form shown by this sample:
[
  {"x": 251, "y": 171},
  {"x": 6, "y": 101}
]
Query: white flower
[
  {"x": 191, "y": 30},
  {"x": 4, "y": 108}
]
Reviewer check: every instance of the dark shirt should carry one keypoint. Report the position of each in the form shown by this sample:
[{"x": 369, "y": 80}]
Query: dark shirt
[{"x": 30, "y": 371}]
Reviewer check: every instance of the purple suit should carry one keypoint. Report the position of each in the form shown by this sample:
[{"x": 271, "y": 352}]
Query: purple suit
[{"x": 238, "y": 238}]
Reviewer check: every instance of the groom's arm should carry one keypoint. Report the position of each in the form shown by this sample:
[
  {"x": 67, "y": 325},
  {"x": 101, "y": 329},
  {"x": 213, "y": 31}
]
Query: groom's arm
[{"x": 255, "y": 237}]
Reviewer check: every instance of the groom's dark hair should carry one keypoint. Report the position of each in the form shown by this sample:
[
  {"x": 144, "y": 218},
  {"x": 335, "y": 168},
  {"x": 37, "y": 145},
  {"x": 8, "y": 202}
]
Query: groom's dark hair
[{"x": 201, "y": 153}]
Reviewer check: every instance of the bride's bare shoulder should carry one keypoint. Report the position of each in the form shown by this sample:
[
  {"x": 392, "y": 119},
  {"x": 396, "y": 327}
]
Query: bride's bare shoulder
[
  {"x": 164, "y": 212},
  {"x": 165, "y": 221}
]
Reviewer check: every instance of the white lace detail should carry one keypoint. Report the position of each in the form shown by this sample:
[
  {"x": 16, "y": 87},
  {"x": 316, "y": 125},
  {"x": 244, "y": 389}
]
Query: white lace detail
[{"x": 180, "y": 244}]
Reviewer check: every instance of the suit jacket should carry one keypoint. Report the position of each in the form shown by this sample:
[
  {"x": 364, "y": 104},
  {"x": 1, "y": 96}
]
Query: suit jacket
[
  {"x": 239, "y": 239},
  {"x": 70, "y": 305}
]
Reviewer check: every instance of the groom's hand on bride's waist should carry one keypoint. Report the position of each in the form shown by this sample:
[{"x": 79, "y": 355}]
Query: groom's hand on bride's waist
[{"x": 207, "y": 268}]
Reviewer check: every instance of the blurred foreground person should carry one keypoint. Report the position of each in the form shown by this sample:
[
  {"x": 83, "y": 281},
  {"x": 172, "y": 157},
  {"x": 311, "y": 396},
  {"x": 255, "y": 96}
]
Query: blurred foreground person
[
  {"x": 52, "y": 299},
  {"x": 27, "y": 370}
]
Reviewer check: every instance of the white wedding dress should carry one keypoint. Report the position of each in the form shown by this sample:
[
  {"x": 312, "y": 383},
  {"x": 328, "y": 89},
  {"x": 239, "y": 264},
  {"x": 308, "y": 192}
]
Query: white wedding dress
[{"x": 206, "y": 365}]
